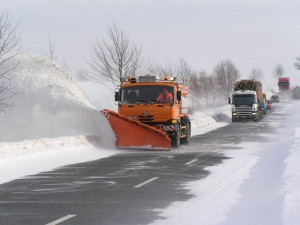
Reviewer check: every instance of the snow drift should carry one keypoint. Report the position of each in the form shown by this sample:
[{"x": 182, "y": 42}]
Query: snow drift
[{"x": 51, "y": 104}]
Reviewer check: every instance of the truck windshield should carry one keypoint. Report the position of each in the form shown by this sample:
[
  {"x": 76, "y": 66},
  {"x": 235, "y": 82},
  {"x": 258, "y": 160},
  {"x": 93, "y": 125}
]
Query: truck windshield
[
  {"x": 283, "y": 84},
  {"x": 150, "y": 94},
  {"x": 243, "y": 99}
]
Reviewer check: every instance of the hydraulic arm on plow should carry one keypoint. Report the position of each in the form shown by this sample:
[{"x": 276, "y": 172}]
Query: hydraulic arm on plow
[{"x": 152, "y": 114}]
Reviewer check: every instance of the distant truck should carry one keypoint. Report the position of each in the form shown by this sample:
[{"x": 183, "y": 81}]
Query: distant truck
[
  {"x": 246, "y": 100},
  {"x": 284, "y": 84},
  {"x": 296, "y": 93}
]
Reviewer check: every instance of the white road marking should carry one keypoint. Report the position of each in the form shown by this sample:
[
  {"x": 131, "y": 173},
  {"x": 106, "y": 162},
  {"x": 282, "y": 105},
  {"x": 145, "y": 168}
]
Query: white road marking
[
  {"x": 146, "y": 182},
  {"x": 61, "y": 220},
  {"x": 190, "y": 162}
]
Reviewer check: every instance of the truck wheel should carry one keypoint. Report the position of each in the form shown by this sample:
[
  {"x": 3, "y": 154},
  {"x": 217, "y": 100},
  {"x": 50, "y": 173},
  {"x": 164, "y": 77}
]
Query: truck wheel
[
  {"x": 175, "y": 140},
  {"x": 187, "y": 138},
  {"x": 261, "y": 115}
]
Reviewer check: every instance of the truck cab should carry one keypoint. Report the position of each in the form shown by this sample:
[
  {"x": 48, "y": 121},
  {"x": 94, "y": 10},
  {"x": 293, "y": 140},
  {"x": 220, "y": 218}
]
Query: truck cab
[
  {"x": 244, "y": 105},
  {"x": 284, "y": 84}
]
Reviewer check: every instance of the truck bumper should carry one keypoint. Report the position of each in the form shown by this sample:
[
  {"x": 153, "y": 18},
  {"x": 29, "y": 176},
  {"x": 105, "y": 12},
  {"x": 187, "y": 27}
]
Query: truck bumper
[{"x": 236, "y": 116}]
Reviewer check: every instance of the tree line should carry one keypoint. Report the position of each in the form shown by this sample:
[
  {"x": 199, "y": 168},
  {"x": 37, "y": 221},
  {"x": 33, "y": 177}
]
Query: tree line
[{"x": 116, "y": 57}]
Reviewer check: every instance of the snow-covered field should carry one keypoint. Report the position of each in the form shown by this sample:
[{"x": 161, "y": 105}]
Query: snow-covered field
[{"x": 56, "y": 121}]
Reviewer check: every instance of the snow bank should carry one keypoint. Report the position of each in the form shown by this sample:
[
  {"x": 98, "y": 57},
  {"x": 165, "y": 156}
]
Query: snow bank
[
  {"x": 291, "y": 176},
  {"x": 210, "y": 119},
  {"x": 20, "y": 159}
]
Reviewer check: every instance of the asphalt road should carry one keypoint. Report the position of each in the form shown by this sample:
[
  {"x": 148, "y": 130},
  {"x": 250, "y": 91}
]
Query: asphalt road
[{"x": 127, "y": 188}]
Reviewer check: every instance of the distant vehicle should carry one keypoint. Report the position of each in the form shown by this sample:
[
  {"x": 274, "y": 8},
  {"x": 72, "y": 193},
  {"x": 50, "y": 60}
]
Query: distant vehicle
[
  {"x": 264, "y": 103},
  {"x": 246, "y": 100},
  {"x": 284, "y": 84},
  {"x": 296, "y": 93},
  {"x": 269, "y": 104},
  {"x": 274, "y": 98}
]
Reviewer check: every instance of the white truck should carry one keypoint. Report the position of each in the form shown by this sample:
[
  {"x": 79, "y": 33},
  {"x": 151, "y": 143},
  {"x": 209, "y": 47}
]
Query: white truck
[{"x": 246, "y": 100}]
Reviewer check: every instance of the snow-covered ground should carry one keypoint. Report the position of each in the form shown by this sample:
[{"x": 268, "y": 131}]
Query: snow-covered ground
[
  {"x": 258, "y": 185},
  {"x": 56, "y": 121}
]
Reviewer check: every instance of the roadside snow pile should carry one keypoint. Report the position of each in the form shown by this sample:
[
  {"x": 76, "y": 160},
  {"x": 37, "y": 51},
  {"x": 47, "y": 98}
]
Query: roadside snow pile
[
  {"x": 13, "y": 150},
  {"x": 291, "y": 174},
  {"x": 51, "y": 105},
  {"x": 210, "y": 119},
  {"x": 20, "y": 159}
]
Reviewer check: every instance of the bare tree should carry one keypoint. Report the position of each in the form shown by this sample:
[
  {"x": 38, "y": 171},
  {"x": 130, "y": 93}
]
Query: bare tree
[
  {"x": 10, "y": 46},
  {"x": 82, "y": 75},
  {"x": 205, "y": 86},
  {"x": 195, "y": 89},
  {"x": 226, "y": 74},
  {"x": 183, "y": 71},
  {"x": 52, "y": 55},
  {"x": 297, "y": 64},
  {"x": 156, "y": 69},
  {"x": 256, "y": 74},
  {"x": 168, "y": 69},
  {"x": 116, "y": 58},
  {"x": 278, "y": 70}
]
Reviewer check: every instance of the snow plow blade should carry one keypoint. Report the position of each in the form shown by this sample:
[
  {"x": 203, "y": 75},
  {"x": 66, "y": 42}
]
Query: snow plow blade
[{"x": 133, "y": 134}]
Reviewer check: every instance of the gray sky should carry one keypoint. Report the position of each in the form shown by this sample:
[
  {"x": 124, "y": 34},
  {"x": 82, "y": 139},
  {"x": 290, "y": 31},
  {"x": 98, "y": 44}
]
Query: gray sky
[{"x": 252, "y": 33}]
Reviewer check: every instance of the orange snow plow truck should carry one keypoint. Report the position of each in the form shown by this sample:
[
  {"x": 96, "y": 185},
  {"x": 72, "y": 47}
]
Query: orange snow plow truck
[{"x": 152, "y": 113}]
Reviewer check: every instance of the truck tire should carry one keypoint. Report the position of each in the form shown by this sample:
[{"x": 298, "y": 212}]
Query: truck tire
[
  {"x": 175, "y": 139},
  {"x": 258, "y": 117},
  {"x": 186, "y": 139}
]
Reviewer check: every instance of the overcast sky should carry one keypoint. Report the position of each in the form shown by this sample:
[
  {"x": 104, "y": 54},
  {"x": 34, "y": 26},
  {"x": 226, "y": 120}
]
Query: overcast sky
[{"x": 252, "y": 33}]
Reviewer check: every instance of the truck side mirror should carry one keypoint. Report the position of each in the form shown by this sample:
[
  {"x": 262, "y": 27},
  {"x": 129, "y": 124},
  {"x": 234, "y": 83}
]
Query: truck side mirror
[
  {"x": 117, "y": 96},
  {"x": 179, "y": 95},
  {"x": 229, "y": 100}
]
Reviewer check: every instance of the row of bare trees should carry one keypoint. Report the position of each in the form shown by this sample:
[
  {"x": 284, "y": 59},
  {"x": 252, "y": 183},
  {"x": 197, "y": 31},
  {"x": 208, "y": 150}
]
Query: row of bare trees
[
  {"x": 10, "y": 47},
  {"x": 116, "y": 57}
]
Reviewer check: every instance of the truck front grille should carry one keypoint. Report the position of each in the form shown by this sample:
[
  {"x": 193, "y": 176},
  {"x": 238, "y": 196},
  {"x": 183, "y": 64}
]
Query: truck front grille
[
  {"x": 243, "y": 110},
  {"x": 145, "y": 119}
]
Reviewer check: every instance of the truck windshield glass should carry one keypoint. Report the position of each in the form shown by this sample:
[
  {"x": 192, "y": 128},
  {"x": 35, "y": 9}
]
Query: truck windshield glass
[
  {"x": 150, "y": 94},
  {"x": 283, "y": 83},
  {"x": 243, "y": 99}
]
